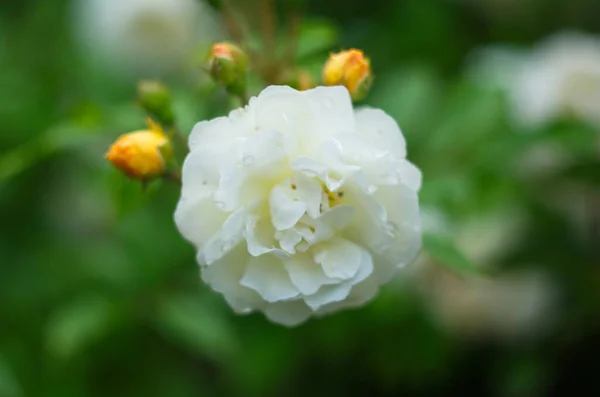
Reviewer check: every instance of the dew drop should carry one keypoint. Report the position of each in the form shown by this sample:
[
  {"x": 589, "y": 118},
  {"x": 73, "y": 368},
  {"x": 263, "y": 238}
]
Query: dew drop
[{"x": 391, "y": 228}]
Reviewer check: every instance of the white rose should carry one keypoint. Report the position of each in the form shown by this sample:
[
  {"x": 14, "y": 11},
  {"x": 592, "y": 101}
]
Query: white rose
[
  {"x": 143, "y": 37},
  {"x": 560, "y": 77},
  {"x": 299, "y": 205}
]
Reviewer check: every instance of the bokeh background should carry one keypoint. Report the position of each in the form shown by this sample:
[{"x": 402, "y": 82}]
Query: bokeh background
[{"x": 100, "y": 296}]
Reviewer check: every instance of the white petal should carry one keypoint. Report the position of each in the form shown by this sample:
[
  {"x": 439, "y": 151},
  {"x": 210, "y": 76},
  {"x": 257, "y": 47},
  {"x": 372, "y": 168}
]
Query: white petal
[
  {"x": 340, "y": 292},
  {"x": 283, "y": 109},
  {"x": 381, "y": 130},
  {"x": 331, "y": 109},
  {"x": 360, "y": 294},
  {"x": 309, "y": 191},
  {"x": 370, "y": 224},
  {"x": 339, "y": 257},
  {"x": 288, "y": 239},
  {"x": 401, "y": 203},
  {"x": 224, "y": 277},
  {"x": 200, "y": 172},
  {"x": 328, "y": 294},
  {"x": 228, "y": 237},
  {"x": 216, "y": 134},
  {"x": 337, "y": 218},
  {"x": 306, "y": 275},
  {"x": 285, "y": 211},
  {"x": 265, "y": 152},
  {"x": 228, "y": 195},
  {"x": 312, "y": 168},
  {"x": 410, "y": 175},
  {"x": 267, "y": 276},
  {"x": 288, "y": 313},
  {"x": 260, "y": 237},
  {"x": 198, "y": 219},
  {"x": 404, "y": 218}
]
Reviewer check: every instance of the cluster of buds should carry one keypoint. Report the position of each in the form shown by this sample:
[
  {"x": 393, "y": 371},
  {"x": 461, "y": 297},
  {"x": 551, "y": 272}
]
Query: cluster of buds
[
  {"x": 352, "y": 70},
  {"x": 145, "y": 154}
]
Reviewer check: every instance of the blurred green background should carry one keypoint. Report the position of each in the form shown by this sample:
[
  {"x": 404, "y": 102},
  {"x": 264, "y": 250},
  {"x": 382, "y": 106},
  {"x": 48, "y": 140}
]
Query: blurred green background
[{"x": 100, "y": 296}]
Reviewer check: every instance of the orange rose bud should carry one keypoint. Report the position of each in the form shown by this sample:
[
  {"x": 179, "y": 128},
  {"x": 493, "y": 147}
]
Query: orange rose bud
[
  {"x": 228, "y": 65},
  {"x": 352, "y": 70},
  {"x": 143, "y": 154}
]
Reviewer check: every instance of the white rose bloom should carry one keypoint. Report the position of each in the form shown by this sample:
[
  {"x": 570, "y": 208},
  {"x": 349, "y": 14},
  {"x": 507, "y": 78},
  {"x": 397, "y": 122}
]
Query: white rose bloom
[
  {"x": 143, "y": 37},
  {"x": 561, "y": 77},
  {"x": 299, "y": 205}
]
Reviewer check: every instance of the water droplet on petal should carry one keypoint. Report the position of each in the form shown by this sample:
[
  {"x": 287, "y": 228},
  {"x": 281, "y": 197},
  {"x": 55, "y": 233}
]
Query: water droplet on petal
[
  {"x": 371, "y": 189},
  {"x": 391, "y": 228}
]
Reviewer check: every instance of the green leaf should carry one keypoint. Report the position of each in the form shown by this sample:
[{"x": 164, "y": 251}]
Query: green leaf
[
  {"x": 55, "y": 139},
  {"x": 316, "y": 37},
  {"x": 9, "y": 384},
  {"x": 443, "y": 249},
  {"x": 76, "y": 326},
  {"x": 404, "y": 93},
  {"x": 197, "y": 325},
  {"x": 586, "y": 172}
]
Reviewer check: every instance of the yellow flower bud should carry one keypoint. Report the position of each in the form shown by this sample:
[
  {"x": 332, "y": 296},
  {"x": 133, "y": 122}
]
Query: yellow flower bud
[
  {"x": 351, "y": 69},
  {"x": 228, "y": 65},
  {"x": 141, "y": 154}
]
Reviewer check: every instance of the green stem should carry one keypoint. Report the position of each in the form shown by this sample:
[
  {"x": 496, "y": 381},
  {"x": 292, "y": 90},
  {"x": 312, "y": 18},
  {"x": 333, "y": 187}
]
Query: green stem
[{"x": 244, "y": 99}]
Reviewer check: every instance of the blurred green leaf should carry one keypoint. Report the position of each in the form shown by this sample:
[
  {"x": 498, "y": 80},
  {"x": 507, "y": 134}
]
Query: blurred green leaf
[
  {"x": 192, "y": 321},
  {"x": 316, "y": 37},
  {"x": 75, "y": 326},
  {"x": 53, "y": 140},
  {"x": 586, "y": 172},
  {"x": 9, "y": 384},
  {"x": 404, "y": 94},
  {"x": 443, "y": 249},
  {"x": 471, "y": 116}
]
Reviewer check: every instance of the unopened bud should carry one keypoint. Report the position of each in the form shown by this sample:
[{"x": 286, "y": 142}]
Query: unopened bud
[
  {"x": 143, "y": 154},
  {"x": 351, "y": 69},
  {"x": 228, "y": 65},
  {"x": 155, "y": 98}
]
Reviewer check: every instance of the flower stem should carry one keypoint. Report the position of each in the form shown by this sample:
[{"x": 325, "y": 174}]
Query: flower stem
[
  {"x": 173, "y": 176},
  {"x": 244, "y": 99}
]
